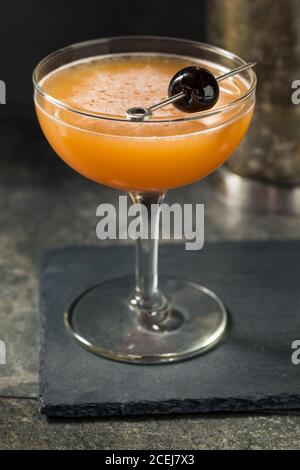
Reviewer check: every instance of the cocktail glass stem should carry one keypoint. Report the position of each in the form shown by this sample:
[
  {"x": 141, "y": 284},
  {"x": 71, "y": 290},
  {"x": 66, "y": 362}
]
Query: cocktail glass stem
[{"x": 151, "y": 304}]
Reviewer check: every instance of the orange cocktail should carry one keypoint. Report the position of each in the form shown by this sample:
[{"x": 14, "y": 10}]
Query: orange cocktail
[
  {"x": 82, "y": 94},
  {"x": 150, "y": 156}
]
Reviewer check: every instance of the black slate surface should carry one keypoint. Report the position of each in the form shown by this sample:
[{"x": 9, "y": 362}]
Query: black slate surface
[{"x": 250, "y": 370}]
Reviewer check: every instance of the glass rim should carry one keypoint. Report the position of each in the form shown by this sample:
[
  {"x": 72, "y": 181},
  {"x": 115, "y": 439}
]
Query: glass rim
[{"x": 111, "y": 117}]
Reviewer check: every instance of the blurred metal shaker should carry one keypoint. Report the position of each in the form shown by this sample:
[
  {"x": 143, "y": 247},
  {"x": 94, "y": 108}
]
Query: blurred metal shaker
[{"x": 269, "y": 159}]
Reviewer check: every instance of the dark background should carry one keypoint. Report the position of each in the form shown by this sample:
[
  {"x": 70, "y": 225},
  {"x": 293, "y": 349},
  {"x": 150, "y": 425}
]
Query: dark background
[{"x": 31, "y": 29}]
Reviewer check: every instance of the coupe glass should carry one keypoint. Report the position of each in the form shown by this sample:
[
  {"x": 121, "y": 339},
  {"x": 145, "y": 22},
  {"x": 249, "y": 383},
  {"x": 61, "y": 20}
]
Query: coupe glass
[{"x": 144, "y": 321}]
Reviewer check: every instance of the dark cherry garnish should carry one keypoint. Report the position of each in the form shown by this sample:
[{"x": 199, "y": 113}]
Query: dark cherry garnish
[
  {"x": 191, "y": 90},
  {"x": 200, "y": 88}
]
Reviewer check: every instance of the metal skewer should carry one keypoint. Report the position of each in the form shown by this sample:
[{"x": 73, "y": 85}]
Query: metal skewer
[
  {"x": 139, "y": 113},
  {"x": 240, "y": 69}
]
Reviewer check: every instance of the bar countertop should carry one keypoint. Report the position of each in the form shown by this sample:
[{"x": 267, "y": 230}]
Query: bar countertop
[{"x": 45, "y": 204}]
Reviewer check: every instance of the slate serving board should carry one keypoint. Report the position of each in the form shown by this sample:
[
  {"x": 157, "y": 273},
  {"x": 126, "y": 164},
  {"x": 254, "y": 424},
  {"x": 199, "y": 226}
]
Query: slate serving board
[{"x": 250, "y": 370}]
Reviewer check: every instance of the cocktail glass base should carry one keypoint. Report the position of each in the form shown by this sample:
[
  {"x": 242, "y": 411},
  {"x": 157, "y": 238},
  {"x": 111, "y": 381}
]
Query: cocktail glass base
[{"x": 103, "y": 321}]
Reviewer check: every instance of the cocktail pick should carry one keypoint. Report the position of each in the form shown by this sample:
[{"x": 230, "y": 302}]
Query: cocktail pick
[{"x": 192, "y": 89}]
